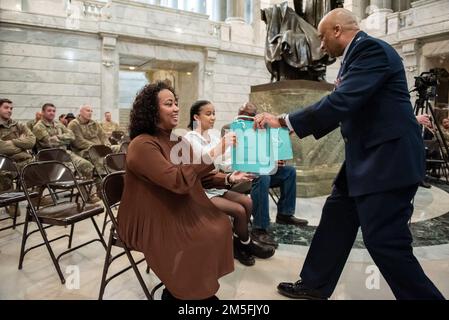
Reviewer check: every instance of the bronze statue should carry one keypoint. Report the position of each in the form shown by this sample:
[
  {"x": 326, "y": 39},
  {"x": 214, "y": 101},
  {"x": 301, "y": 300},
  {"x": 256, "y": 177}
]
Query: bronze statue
[
  {"x": 292, "y": 49},
  {"x": 314, "y": 10}
]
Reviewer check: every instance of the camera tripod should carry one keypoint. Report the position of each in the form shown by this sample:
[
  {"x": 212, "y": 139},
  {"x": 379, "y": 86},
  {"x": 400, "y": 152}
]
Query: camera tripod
[{"x": 423, "y": 106}]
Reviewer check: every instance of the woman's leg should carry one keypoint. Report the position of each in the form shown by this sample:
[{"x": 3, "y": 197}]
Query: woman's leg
[
  {"x": 238, "y": 212},
  {"x": 243, "y": 200}
]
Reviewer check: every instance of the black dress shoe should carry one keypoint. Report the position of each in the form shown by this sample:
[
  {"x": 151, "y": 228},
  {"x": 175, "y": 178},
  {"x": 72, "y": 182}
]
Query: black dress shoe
[
  {"x": 259, "y": 250},
  {"x": 242, "y": 254},
  {"x": 425, "y": 184},
  {"x": 262, "y": 236},
  {"x": 283, "y": 219},
  {"x": 297, "y": 290}
]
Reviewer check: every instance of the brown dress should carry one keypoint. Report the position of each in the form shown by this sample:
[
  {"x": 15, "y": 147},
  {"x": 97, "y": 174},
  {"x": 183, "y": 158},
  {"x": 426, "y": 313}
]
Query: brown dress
[{"x": 165, "y": 214}]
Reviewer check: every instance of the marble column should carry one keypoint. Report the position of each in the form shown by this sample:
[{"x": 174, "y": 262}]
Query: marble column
[
  {"x": 358, "y": 7},
  {"x": 218, "y": 10},
  {"x": 235, "y": 10},
  {"x": 109, "y": 77},
  {"x": 376, "y": 23},
  {"x": 381, "y": 4},
  {"x": 411, "y": 53}
]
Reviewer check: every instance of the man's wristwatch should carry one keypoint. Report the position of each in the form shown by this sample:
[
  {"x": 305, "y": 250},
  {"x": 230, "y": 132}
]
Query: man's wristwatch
[{"x": 282, "y": 121}]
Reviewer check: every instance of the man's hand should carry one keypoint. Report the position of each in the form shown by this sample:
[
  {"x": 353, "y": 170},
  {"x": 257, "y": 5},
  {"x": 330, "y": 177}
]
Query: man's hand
[
  {"x": 424, "y": 119},
  {"x": 263, "y": 119}
]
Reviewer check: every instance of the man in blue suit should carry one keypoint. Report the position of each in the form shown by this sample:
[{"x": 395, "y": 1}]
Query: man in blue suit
[{"x": 383, "y": 168}]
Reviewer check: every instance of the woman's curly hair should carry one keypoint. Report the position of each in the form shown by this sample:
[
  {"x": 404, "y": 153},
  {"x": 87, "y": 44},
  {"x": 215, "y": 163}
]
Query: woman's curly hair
[{"x": 144, "y": 115}]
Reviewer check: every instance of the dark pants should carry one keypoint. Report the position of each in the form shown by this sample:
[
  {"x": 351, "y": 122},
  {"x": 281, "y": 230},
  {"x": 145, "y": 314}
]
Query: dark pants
[{"x": 383, "y": 218}]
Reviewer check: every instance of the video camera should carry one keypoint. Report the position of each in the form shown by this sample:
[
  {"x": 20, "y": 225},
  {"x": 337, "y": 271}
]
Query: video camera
[{"x": 426, "y": 83}]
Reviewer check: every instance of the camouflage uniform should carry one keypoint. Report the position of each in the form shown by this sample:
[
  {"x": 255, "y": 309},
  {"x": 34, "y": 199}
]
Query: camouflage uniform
[
  {"x": 445, "y": 134},
  {"x": 15, "y": 140},
  {"x": 56, "y": 135},
  {"x": 109, "y": 127},
  {"x": 86, "y": 135},
  {"x": 30, "y": 124}
]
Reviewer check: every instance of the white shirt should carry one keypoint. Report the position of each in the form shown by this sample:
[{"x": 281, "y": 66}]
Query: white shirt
[{"x": 201, "y": 145}]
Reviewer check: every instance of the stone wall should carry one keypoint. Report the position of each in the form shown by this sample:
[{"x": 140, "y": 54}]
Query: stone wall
[
  {"x": 72, "y": 54},
  {"x": 43, "y": 65}
]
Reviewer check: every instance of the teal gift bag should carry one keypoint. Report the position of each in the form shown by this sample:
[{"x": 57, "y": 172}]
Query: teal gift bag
[
  {"x": 258, "y": 151},
  {"x": 253, "y": 152},
  {"x": 281, "y": 144}
]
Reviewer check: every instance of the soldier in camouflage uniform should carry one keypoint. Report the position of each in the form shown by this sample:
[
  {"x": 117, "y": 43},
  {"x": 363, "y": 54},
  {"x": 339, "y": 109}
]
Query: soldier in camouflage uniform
[
  {"x": 108, "y": 125},
  {"x": 15, "y": 142},
  {"x": 53, "y": 134},
  {"x": 445, "y": 129},
  {"x": 88, "y": 133},
  {"x": 32, "y": 123}
]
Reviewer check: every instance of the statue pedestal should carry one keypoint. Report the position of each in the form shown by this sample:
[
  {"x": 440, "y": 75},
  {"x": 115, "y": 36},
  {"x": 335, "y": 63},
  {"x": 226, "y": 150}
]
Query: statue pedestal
[{"x": 317, "y": 161}]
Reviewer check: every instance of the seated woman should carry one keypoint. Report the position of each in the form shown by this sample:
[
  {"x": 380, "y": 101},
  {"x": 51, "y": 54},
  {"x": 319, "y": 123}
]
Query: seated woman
[
  {"x": 164, "y": 211},
  {"x": 236, "y": 205}
]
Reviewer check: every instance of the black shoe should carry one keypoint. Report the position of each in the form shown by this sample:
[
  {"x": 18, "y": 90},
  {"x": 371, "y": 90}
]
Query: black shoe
[
  {"x": 166, "y": 295},
  {"x": 262, "y": 236},
  {"x": 242, "y": 255},
  {"x": 425, "y": 184},
  {"x": 283, "y": 219},
  {"x": 297, "y": 290},
  {"x": 259, "y": 250}
]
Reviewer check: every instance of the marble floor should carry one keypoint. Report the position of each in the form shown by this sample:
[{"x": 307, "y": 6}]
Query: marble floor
[{"x": 360, "y": 279}]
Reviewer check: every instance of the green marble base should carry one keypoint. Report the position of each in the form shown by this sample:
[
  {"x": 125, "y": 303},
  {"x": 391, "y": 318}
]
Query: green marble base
[{"x": 317, "y": 161}]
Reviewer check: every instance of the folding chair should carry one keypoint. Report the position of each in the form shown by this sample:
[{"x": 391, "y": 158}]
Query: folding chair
[
  {"x": 114, "y": 162},
  {"x": 275, "y": 193},
  {"x": 112, "y": 188},
  {"x": 61, "y": 155},
  {"x": 96, "y": 155},
  {"x": 124, "y": 147},
  {"x": 15, "y": 195},
  {"x": 116, "y": 137},
  {"x": 42, "y": 175}
]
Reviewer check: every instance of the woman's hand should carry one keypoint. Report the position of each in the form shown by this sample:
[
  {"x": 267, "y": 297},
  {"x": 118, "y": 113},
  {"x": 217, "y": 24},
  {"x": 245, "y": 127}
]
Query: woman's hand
[{"x": 239, "y": 176}]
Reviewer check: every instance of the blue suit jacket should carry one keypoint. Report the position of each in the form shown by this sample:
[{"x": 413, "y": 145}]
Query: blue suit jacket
[{"x": 383, "y": 145}]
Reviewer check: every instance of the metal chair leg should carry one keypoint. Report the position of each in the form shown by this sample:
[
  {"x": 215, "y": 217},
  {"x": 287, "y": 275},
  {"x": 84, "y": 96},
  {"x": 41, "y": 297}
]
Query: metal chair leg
[
  {"x": 71, "y": 236},
  {"x": 138, "y": 275},
  {"x": 14, "y": 220},
  {"x": 24, "y": 239},
  {"x": 104, "y": 223},
  {"x": 107, "y": 263}
]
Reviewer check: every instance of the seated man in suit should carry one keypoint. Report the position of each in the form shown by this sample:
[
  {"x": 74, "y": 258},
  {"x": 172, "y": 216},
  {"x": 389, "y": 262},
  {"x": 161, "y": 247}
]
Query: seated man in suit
[{"x": 285, "y": 178}]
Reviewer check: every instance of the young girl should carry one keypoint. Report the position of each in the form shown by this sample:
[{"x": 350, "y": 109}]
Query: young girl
[{"x": 236, "y": 205}]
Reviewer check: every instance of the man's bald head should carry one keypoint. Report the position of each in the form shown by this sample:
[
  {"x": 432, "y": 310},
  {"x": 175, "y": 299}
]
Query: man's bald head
[
  {"x": 248, "y": 109},
  {"x": 86, "y": 112},
  {"x": 336, "y": 30}
]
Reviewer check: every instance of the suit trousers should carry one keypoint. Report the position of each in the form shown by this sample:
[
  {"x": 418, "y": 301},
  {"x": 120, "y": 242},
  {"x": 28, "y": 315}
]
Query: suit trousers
[{"x": 383, "y": 218}]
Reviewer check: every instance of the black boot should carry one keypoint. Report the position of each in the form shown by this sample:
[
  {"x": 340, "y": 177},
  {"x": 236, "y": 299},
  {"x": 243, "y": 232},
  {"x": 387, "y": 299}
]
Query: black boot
[
  {"x": 242, "y": 254},
  {"x": 260, "y": 250}
]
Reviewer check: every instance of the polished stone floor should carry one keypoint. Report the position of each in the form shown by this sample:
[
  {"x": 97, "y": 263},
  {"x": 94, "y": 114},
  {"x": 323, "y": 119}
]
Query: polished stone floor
[{"x": 360, "y": 279}]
